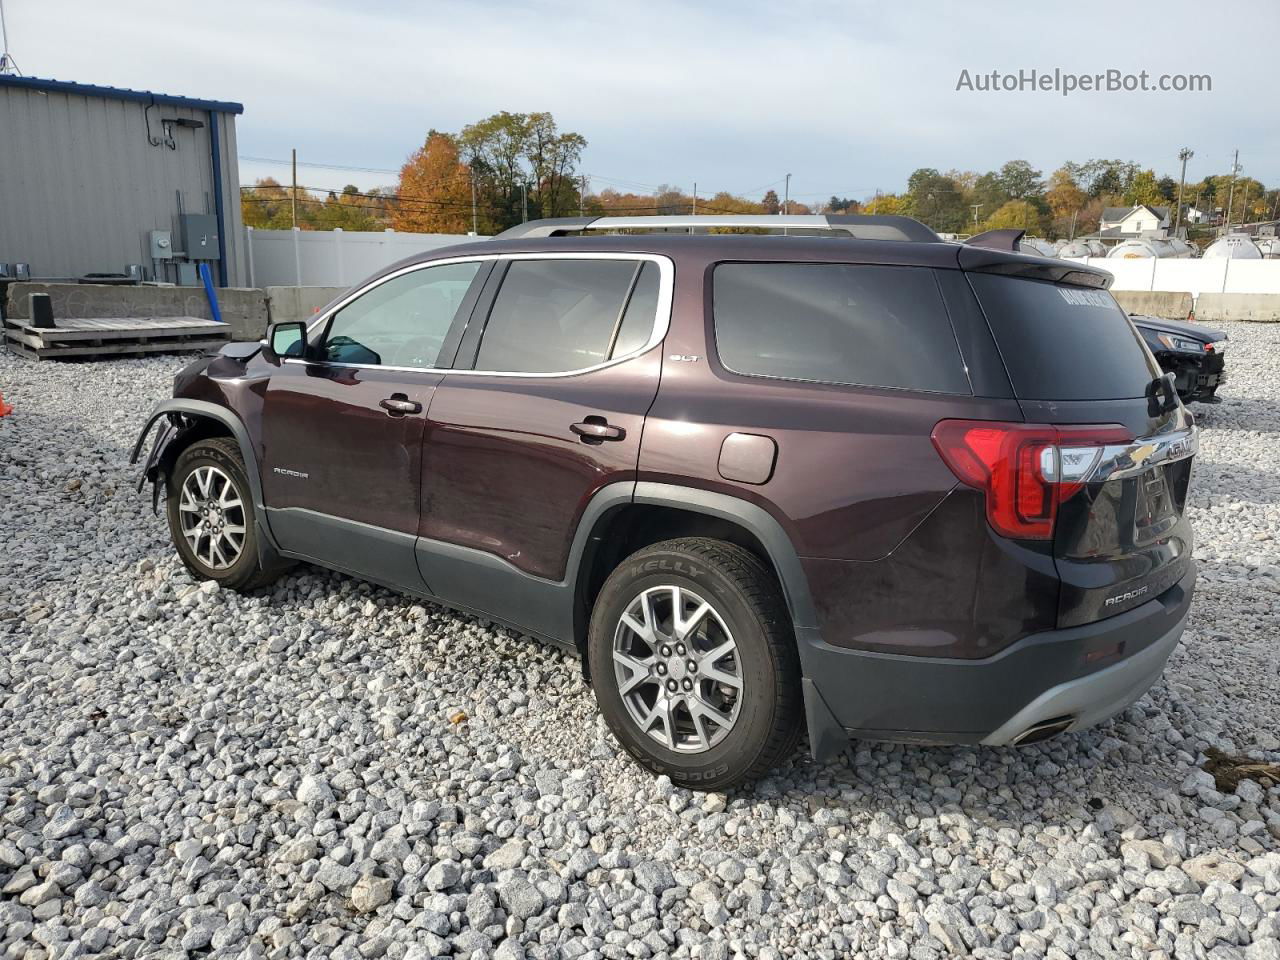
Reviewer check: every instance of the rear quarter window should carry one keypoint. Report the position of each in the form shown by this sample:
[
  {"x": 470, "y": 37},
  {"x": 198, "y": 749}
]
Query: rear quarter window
[
  {"x": 862, "y": 325},
  {"x": 1064, "y": 343}
]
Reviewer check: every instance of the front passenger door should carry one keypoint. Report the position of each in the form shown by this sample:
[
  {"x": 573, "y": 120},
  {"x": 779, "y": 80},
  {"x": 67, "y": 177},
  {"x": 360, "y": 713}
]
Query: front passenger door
[{"x": 342, "y": 432}]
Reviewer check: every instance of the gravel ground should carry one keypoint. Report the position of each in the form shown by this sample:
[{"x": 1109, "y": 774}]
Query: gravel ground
[{"x": 185, "y": 771}]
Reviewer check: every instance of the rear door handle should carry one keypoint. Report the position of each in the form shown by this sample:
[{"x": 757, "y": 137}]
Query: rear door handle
[
  {"x": 597, "y": 430},
  {"x": 398, "y": 405}
]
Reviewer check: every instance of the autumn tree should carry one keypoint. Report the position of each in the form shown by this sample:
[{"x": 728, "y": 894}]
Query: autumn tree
[
  {"x": 1143, "y": 188},
  {"x": 886, "y": 204},
  {"x": 434, "y": 194},
  {"x": 1018, "y": 214},
  {"x": 268, "y": 205}
]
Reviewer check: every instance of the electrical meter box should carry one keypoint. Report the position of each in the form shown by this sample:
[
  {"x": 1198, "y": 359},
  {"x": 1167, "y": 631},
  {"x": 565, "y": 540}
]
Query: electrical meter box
[
  {"x": 199, "y": 235},
  {"x": 161, "y": 244}
]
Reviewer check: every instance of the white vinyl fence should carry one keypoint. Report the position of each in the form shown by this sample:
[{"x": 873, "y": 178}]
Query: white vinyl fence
[
  {"x": 331, "y": 258},
  {"x": 1191, "y": 276}
]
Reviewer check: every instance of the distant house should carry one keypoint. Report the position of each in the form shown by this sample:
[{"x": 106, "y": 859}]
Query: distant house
[
  {"x": 1140, "y": 221},
  {"x": 1196, "y": 216}
]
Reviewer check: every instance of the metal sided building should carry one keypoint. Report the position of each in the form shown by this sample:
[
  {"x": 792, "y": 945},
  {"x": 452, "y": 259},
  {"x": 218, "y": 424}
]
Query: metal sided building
[{"x": 112, "y": 181}]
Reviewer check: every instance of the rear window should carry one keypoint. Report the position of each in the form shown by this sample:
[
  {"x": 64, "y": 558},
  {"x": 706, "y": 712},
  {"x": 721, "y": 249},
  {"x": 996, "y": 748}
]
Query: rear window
[
  {"x": 863, "y": 325},
  {"x": 1064, "y": 343}
]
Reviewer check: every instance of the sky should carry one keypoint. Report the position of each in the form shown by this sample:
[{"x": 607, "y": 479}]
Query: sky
[{"x": 847, "y": 97}]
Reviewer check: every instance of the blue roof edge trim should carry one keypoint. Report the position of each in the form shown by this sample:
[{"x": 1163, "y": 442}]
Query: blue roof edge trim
[{"x": 119, "y": 93}]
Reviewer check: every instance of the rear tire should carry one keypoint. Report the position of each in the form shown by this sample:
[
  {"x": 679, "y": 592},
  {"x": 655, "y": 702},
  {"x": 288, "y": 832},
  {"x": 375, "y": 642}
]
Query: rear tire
[
  {"x": 211, "y": 517},
  {"x": 693, "y": 636}
]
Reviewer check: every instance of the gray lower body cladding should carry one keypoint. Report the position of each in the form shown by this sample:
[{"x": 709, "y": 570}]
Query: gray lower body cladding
[{"x": 1085, "y": 674}]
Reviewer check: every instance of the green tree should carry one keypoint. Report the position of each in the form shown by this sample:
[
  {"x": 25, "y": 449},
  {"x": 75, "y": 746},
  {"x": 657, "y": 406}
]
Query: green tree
[
  {"x": 1143, "y": 188},
  {"x": 989, "y": 193},
  {"x": 1020, "y": 180},
  {"x": 510, "y": 153},
  {"x": 937, "y": 200},
  {"x": 1018, "y": 214}
]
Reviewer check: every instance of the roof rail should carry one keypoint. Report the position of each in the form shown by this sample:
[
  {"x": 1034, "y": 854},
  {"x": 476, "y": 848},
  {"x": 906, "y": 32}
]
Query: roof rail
[{"x": 860, "y": 227}]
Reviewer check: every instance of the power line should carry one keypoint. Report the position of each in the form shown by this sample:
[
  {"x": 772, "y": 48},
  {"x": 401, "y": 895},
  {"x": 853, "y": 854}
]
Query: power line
[{"x": 322, "y": 166}]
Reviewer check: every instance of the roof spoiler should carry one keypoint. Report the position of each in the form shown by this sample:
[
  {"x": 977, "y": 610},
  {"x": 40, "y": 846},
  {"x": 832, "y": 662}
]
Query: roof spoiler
[
  {"x": 1004, "y": 239},
  {"x": 860, "y": 227}
]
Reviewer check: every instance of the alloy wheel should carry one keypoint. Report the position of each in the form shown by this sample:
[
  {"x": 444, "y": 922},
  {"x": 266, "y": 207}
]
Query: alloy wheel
[
  {"x": 677, "y": 669},
  {"x": 213, "y": 518}
]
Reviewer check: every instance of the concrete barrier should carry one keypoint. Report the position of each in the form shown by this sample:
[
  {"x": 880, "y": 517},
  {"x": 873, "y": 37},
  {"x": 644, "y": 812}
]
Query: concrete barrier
[
  {"x": 245, "y": 309},
  {"x": 298, "y": 303},
  {"x": 1168, "y": 305},
  {"x": 1258, "y": 307}
]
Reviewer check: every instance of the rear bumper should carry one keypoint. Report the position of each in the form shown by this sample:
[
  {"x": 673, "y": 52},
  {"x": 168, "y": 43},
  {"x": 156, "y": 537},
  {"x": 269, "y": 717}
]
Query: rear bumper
[{"x": 1080, "y": 675}]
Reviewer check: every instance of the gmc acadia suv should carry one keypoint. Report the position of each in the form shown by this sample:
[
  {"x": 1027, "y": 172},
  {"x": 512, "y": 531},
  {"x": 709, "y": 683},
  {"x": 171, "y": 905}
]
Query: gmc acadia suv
[{"x": 852, "y": 478}]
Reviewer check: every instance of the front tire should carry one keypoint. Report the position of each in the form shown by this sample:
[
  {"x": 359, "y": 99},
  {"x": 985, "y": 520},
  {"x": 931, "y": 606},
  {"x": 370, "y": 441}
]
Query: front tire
[
  {"x": 211, "y": 518},
  {"x": 694, "y": 663}
]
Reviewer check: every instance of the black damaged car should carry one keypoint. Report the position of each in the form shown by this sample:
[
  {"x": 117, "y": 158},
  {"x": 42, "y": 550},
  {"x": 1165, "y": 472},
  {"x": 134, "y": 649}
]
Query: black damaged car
[{"x": 1194, "y": 354}]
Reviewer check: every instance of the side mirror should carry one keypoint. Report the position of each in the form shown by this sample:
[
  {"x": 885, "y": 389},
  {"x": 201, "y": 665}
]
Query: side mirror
[{"x": 287, "y": 339}]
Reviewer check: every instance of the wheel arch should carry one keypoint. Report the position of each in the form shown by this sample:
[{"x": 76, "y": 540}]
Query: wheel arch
[
  {"x": 616, "y": 526},
  {"x": 226, "y": 423}
]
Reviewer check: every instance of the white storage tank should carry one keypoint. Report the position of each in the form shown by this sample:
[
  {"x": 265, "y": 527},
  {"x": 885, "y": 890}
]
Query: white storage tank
[
  {"x": 1077, "y": 248},
  {"x": 1147, "y": 247},
  {"x": 1134, "y": 250},
  {"x": 1270, "y": 248},
  {"x": 1234, "y": 246},
  {"x": 1036, "y": 247}
]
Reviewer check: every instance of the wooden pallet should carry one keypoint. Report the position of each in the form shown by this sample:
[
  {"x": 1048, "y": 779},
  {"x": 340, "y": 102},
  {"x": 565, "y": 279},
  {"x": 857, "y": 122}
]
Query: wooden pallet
[{"x": 113, "y": 336}]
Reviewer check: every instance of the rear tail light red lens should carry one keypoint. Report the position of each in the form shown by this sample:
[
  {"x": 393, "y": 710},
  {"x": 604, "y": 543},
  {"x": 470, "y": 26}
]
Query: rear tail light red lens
[{"x": 1025, "y": 470}]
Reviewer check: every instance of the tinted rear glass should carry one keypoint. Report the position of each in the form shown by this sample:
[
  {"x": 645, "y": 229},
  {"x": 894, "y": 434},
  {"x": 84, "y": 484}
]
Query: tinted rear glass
[
  {"x": 555, "y": 316},
  {"x": 1064, "y": 343},
  {"x": 837, "y": 323}
]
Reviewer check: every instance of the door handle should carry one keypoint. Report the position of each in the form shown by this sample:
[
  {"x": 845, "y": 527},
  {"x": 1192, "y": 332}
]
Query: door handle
[
  {"x": 398, "y": 405},
  {"x": 597, "y": 430}
]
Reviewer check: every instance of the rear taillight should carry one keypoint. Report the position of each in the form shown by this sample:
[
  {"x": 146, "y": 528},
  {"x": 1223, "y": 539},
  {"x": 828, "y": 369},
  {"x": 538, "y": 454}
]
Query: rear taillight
[{"x": 1026, "y": 470}]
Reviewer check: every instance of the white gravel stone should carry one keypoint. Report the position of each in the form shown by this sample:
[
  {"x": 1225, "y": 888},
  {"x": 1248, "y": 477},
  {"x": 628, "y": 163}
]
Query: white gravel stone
[{"x": 274, "y": 776}]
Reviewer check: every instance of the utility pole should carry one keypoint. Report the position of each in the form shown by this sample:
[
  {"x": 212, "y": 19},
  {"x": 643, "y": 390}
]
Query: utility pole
[
  {"x": 1185, "y": 154},
  {"x": 1231, "y": 194},
  {"x": 786, "y": 195},
  {"x": 875, "y": 203},
  {"x": 693, "y": 212},
  {"x": 524, "y": 203},
  {"x": 1244, "y": 205},
  {"x": 582, "y": 197},
  {"x": 293, "y": 194},
  {"x": 475, "y": 218},
  {"x": 1074, "y": 213},
  {"x": 975, "y": 207}
]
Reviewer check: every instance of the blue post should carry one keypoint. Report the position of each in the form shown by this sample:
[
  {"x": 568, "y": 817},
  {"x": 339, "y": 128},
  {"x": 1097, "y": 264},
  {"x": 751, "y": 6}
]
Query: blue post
[{"x": 207, "y": 276}]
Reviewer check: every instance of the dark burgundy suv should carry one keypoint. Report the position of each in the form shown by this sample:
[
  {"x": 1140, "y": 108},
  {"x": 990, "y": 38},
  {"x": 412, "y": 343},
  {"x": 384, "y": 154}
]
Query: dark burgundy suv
[{"x": 851, "y": 478}]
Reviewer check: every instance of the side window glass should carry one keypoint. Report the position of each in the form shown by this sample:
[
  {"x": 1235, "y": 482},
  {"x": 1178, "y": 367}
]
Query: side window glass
[
  {"x": 556, "y": 316},
  {"x": 642, "y": 310},
  {"x": 876, "y": 326},
  {"x": 402, "y": 322}
]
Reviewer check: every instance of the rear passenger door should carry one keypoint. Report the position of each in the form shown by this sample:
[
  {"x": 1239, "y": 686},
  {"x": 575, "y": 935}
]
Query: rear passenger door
[{"x": 543, "y": 408}]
